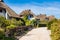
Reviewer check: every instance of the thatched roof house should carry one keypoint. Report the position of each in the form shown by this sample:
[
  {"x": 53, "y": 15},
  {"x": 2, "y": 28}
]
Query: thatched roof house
[
  {"x": 27, "y": 12},
  {"x": 9, "y": 13},
  {"x": 43, "y": 17},
  {"x": 51, "y": 17}
]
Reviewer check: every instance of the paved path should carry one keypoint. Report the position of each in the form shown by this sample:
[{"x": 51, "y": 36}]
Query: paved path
[{"x": 37, "y": 34}]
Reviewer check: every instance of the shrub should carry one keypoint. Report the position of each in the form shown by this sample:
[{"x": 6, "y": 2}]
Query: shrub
[
  {"x": 7, "y": 23},
  {"x": 19, "y": 23},
  {"x": 2, "y": 20},
  {"x": 50, "y": 23},
  {"x": 28, "y": 23},
  {"x": 34, "y": 23},
  {"x": 13, "y": 21},
  {"x": 1, "y": 33},
  {"x": 11, "y": 27},
  {"x": 16, "y": 23},
  {"x": 55, "y": 30}
]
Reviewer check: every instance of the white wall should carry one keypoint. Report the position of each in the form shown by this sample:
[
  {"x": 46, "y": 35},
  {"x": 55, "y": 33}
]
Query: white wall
[
  {"x": 30, "y": 17},
  {"x": 2, "y": 13},
  {"x": 7, "y": 16}
]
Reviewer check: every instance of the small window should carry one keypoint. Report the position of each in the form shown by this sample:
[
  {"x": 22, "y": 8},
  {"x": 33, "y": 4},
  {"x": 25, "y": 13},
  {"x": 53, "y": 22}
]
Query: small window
[{"x": 0, "y": 10}]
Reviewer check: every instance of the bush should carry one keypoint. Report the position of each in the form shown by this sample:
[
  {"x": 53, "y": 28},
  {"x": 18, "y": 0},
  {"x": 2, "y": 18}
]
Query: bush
[
  {"x": 35, "y": 23},
  {"x": 11, "y": 27},
  {"x": 55, "y": 30},
  {"x": 19, "y": 23},
  {"x": 7, "y": 23},
  {"x": 16, "y": 23},
  {"x": 50, "y": 23},
  {"x": 2, "y": 20},
  {"x": 28, "y": 23},
  {"x": 1, "y": 33}
]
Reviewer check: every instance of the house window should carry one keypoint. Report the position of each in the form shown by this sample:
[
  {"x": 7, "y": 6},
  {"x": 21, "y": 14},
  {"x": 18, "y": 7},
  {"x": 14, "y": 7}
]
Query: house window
[{"x": 0, "y": 10}]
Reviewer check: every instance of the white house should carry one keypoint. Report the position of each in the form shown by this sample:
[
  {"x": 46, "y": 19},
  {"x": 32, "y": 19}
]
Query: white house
[
  {"x": 2, "y": 12},
  {"x": 29, "y": 13},
  {"x": 7, "y": 12}
]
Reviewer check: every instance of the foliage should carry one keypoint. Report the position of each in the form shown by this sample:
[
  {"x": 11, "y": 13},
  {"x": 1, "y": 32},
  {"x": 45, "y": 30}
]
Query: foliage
[
  {"x": 25, "y": 18},
  {"x": 19, "y": 23},
  {"x": 28, "y": 23},
  {"x": 2, "y": 20},
  {"x": 44, "y": 22},
  {"x": 11, "y": 27},
  {"x": 54, "y": 26},
  {"x": 35, "y": 23},
  {"x": 55, "y": 30},
  {"x": 7, "y": 23},
  {"x": 50, "y": 22},
  {"x": 13, "y": 21},
  {"x": 1, "y": 33}
]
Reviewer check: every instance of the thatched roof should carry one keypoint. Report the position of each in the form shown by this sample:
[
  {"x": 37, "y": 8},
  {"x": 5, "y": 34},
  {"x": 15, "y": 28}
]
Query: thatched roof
[
  {"x": 51, "y": 17},
  {"x": 10, "y": 12},
  {"x": 1, "y": 1},
  {"x": 1, "y": 8},
  {"x": 41, "y": 16},
  {"x": 27, "y": 12}
]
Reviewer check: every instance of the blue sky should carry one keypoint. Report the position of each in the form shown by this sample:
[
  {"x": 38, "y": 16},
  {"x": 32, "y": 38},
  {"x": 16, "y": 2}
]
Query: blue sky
[{"x": 49, "y": 7}]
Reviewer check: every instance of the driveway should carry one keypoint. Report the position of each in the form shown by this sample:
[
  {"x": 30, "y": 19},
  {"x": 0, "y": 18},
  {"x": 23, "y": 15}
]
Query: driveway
[{"x": 37, "y": 34}]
